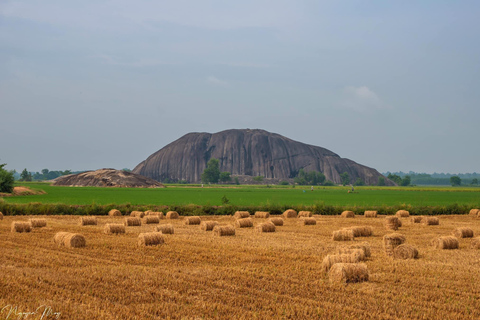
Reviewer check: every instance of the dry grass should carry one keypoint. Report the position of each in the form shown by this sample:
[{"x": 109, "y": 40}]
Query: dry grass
[
  {"x": 370, "y": 214},
  {"x": 241, "y": 214},
  {"x": 475, "y": 243},
  {"x": 165, "y": 228},
  {"x": 343, "y": 235},
  {"x": 403, "y": 214},
  {"x": 195, "y": 220},
  {"x": 1, "y": 216},
  {"x": 114, "y": 213},
  {"x": 348, "y": 214},
  {"x": 391, "y": 241},
  {"x": 20, "y": 226},
  {"x": 463, "y": 232},
  {"x": 276, "y": 221},
  {"x": 290, "y": 213},
  {"x": 38, "y": 223},
  {"x": 114, "y": 228},
  {"x": 405, "y": 251},
  {"x": 448, "y": 242},
  {"x": 431, "y": 221},
  {"x": 88, "y": 221},
  {"x": 208, "y": 225},
  {"x": 172, "y": 215},
  {"x": 249, "y": 276},
  {"x": 150, "y": 239},
  {"x": 392, "y": 223},
  {"x": 244, "y": 223},
  {"x": 262, "y": 214},
  {"x": 305, "y": 214},
  {"x": 348, "y": 273}
]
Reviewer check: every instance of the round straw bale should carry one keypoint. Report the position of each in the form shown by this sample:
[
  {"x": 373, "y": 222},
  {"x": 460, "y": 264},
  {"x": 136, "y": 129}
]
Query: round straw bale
[
  {"x": 309, "y": 221},
  {"x": 463, "y": 232},
  {"x": 38, "y": 223},
  {"x": 403, "y": 214},
  {"x": 358, "y": 253},
  {"x": 133, "y": 222},
  {"x": 474, "y": 212},
  {"x": 290, "y": 213},
  {"x": 165, "y": 228},
  {"x": 223, "y": 231},
  {"x": 430, "y": 221},
  {"x": 343, "y": 235},
  {"x": 139, "y": 214},
  {"x": 331, "y": 259},
  {"x": 241, "y": 214},
  {"x": 362, "y": 231},
  {"x": 448, "y": 242},
  {"x": 392, "y": 223},
  {"x": 370, "y": 214},
  {"x": 21, "y": 226},
  {"x": 152, "y": 219},
  {"x": 362, "y": 246},
  {"x": 114, "y": 213},
  {"x": 416, "y": 219},
  {"x": 88, "y": 221},
  {"x": 265, "y": 227},
  {"x": 475, "y": 243},
  {"x": 114, "y": 228},
  {"x": 172, "y": 215},
  {"x": 244, "y": 223},
  {"x": 348, "y": 214},
  {"x": 150, "y": 239},
  {"x": 405, "y": 251},
  {"x": 391, "y": 241},
  {"x": 305, "y": 214},
  {"x": 155, "y": 214},
  {"x": 276, "y": 221},
  {"x": 348, "y": 272},
  {"x": 70, "y": 240},
  {"x": 193, "y": 220},
  {"x": 1, "y": 216},
  {"x": 262, "y": 214},
  {"x": 208, "y": 225}
]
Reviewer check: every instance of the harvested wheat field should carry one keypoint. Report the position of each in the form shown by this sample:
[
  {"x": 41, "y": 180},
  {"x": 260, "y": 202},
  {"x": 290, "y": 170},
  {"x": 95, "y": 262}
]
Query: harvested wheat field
[{"x": 252, "y": 275}]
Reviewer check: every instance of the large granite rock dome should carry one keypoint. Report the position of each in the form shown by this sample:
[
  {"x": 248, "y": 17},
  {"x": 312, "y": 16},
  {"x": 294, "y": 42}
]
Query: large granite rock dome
[{"x": 248, "y": 153}]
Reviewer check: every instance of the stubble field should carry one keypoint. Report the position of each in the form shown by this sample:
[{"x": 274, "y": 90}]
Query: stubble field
[{"x": 251, "y": 275}]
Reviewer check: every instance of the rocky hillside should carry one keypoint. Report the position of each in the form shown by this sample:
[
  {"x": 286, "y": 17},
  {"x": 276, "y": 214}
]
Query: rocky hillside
[
  {"x": 251, "y": 153},
  {"x": 107, "y": 178}
]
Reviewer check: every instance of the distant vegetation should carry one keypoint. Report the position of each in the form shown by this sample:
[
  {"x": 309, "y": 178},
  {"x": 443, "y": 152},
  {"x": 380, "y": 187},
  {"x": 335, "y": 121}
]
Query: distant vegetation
[{"x": 438, "y": 179}]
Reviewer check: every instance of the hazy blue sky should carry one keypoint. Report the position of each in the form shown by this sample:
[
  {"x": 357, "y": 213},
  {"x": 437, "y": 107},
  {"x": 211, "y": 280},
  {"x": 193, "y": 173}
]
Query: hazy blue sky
[{"x": 393, "y": 85}]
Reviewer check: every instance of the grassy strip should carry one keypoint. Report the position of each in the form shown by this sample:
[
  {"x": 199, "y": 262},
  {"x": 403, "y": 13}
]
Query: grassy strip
[{"x": 36, "y": 208}]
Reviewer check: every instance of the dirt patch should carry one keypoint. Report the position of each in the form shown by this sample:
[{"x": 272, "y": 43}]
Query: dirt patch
[{"x": 22, "y": 191}]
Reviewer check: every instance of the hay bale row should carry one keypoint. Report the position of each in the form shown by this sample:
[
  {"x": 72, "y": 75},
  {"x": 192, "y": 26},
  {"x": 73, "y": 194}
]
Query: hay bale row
[
  {"x": 165, "y": 228},
  {"x": 276, "y": 221},
  {"x": 172, "y": 215},
  {"x": 370, "y": 214},
  {"x": 114, "y": 228},
  {"x": 309, "y": 221},
  {"x": 152, "y": 220},
  {"x": 241, "y": 214},
  {"x": 150, "y": 239},
  {"x": 474, "y": 212},
  {"x": 463, "y": 232},
  {"x": 430, "y": 221},
  {"x": 405, "y": 251},
  {"x": 392, "y": 223},
  {"x": 195, "y": 220},
  {"x": 359, "y": 253},
  {"x": 448, "y": 242},
  {"x": 348, "y": 214},
  {"x": 222, "y": 231},
  {"x": 21, "y": 226},
  {"x": 265, "y": 227},
  {"x": 133, "y": 222},
  {"x": 391, "y": 241},
  {"x": 208, "y": 225},
  {"x": 244, "y": 223},
  {"x": 365, "y": 247},
  {"x": 262, "y": 214},
  {"x": 343, "y": 235},
  {"x": 305, "y": 214},
  {"x": 330, "y": 260},
  {"x": 38, "y": 223},
  {"x": 88, "y": 221},
  {"x": 362, "y": 231},
  {"x": 290, "y": 213},
  {"x": 403, "y": 214},
  {"x": 1, "y": 216},
  {"x": 475, "y": 243},
  {"x": 114, "y": 213},
  {"x": 416, "y": 219},
  {"x": 70, "y": 240},
  {"x": 138, "y": 214},
  {"x": 154, "y": 214},
  {"x": 348, "y": 273}
]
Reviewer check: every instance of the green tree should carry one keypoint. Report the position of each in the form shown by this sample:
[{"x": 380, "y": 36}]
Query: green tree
[
  {"x": 237, "y": 181},
  {"x": 345, "y": 177},
  {"x": 455, "y": 181},
  {"x": 6, "y": 179},
  {"x": 405, "y": 181},
  {"x": 225, "y": 177},
  {"x": 258, "y": 179},
  {"x": 328, "y": 183},
  {"x": 359, "y": 182},
  {"x": 395, "y": 178},
  {"x": 311, "y": 178},
  {"x": 25, "y": 175},
  {"x": 474, "y": 181},
  {"x": 381, "y": 181},
  {"x": 211, "y": 172}
]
